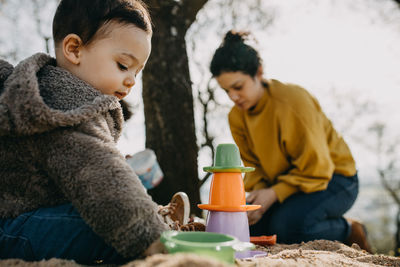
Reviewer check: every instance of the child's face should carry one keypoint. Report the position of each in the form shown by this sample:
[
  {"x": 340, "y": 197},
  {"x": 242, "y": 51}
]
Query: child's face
[
  {"x": 245, "y": 91},
  {"x": 111, "y": 64}
]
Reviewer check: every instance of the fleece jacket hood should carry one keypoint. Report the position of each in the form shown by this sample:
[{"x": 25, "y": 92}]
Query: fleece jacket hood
[{"x": 37, "y": 97}]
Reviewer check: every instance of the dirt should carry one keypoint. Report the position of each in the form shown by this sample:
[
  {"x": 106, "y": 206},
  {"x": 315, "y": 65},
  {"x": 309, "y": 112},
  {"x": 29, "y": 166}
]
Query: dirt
[{"x": 313, "y": 253}]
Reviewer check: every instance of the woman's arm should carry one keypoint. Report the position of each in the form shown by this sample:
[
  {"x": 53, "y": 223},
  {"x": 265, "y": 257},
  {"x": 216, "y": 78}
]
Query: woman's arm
[{"x": 256, "y": 179}]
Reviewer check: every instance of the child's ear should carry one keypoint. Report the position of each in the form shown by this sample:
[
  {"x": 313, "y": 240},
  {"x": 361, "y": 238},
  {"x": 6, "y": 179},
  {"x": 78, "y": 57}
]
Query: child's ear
[
  {"x": 71, "y": 48},
  {"x": 260, "y": 72}
]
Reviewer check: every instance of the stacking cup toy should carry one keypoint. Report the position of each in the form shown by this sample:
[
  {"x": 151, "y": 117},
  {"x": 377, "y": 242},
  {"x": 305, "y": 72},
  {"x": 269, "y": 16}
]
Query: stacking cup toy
[
  {"x": 227, "y": 201},
  {"x": 219, "y": 246},
  {"x": 229, "y": 223},
  {"x": 227, "y": 193}
]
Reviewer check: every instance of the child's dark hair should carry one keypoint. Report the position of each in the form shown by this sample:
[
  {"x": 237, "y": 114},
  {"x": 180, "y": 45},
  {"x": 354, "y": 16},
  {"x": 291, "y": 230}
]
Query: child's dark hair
[
  {"x": 235, "y": 55},
  {"x": 86, "y": 17}
]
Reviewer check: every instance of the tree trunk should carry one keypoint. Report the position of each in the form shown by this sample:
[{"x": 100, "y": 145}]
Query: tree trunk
[{"x": 168, "y": 101}]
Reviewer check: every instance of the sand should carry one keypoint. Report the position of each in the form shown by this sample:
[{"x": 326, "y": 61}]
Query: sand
[{"x": 313, "y": 253}]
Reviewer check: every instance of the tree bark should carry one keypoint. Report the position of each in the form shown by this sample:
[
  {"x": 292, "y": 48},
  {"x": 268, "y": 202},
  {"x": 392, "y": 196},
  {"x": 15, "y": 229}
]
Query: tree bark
[{"x": 168, "y": 101}]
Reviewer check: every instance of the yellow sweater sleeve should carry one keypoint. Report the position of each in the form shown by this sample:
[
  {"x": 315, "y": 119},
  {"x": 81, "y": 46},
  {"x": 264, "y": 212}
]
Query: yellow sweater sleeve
[
  {"x": 252, "y": 180},
  {"x": 303, "y": 140}
]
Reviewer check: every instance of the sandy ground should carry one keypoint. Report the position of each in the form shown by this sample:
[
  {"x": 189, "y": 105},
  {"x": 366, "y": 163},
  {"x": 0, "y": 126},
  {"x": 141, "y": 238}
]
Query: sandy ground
[{"x": 314, "y": 253}]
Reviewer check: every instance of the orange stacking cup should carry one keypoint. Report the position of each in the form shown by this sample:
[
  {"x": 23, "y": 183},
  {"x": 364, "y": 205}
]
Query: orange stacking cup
[
  {"x": 227, "y": 188},
  {"x": 227, "y": 193}
]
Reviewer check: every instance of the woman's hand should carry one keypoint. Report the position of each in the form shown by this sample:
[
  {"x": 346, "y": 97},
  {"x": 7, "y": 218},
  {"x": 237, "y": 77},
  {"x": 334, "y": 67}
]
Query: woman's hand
[{"x": 264, "y": 197}]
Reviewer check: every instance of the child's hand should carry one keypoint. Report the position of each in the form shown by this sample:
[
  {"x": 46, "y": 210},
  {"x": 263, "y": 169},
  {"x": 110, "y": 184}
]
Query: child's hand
[
  {"x": 155, "y": 248},
  {"x": 264, "y": 197}
]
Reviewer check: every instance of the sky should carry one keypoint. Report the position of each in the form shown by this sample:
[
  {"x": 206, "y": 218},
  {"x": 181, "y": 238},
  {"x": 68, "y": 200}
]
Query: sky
[{"x": 353, "y": 48}]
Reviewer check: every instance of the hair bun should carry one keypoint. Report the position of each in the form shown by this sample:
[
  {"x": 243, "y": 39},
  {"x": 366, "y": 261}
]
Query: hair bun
[{"x": 234, "y": 36}]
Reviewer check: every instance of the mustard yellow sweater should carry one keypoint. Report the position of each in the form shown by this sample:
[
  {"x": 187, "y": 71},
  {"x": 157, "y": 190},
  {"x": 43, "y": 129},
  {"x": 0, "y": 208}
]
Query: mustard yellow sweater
[{"x": 290, "y": 142}]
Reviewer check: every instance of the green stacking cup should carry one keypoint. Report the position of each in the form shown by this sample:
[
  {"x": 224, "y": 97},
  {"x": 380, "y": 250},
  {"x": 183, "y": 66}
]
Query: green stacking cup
[
  {"x": 214, "y": 245},
  {"x": 227, "y": 159}
]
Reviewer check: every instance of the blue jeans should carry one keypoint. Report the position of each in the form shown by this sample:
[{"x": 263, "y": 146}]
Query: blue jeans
[
  {"x": 306, "y": 217},
  {"x": 55, "y": 232}
]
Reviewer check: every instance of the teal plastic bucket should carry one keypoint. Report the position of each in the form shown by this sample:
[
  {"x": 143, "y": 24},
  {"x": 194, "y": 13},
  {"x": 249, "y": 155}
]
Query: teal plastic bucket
[{"x": 214, "y": 245}]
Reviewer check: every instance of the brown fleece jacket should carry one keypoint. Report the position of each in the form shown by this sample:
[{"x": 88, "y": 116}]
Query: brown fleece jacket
[{"x": 57, "y": 145}]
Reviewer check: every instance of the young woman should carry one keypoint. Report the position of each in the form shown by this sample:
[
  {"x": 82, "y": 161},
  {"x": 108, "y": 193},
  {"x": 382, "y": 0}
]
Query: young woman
[{"x": 305, "y": 177}]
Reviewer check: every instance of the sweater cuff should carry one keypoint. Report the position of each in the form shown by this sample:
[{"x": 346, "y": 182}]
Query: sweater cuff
[
  {"x": 260, "y": 185},
  {"x": 283, "y": 190}
]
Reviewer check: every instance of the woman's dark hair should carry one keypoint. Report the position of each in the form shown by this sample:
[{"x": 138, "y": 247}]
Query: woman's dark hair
[
  {"x": 86, "y": 17},
  {"x": 235, "y": 55}
]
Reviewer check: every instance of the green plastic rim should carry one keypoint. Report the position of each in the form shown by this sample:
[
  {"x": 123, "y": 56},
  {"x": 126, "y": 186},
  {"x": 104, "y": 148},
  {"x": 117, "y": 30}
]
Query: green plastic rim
[
  {"x": 199, "y": 239},
  {"x": 228, "y": 169}
]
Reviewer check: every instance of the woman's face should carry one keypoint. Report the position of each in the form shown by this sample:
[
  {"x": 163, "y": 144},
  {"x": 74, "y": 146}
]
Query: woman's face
[{"x": 244, "y": 90}]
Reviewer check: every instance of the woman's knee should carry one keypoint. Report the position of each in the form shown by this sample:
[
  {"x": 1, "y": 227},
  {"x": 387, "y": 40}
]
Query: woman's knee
[{"x": 289, "y": 229}]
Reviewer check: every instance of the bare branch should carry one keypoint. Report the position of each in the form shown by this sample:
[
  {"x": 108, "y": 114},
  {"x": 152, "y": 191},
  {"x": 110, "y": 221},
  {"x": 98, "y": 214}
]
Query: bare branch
[
  {"x": 37, "y": 8},
  {"x": 389, "y": 188},
  {"x": 205, "y": 178}
]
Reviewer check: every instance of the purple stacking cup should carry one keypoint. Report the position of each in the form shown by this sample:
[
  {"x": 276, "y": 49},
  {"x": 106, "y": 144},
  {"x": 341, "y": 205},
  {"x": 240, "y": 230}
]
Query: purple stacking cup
[{"x": 229, "y": 223}]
